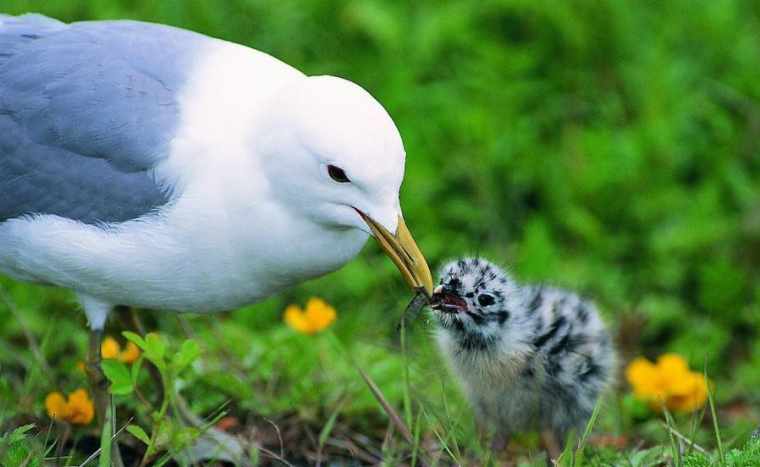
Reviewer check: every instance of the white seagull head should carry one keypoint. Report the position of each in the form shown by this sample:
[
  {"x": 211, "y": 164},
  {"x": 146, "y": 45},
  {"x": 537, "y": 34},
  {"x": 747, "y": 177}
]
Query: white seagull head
[{"x": 338, "y": 158}]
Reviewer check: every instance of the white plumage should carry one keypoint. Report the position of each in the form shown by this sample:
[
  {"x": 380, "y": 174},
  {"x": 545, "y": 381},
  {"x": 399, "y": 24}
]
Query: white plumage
[{"x": 251, "y": 208}]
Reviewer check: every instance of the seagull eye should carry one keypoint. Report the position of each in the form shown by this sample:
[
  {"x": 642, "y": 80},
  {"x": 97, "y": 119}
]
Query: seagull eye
[
  {"x": 485, "y": 299},
  {"x": 337, "y": 174}
]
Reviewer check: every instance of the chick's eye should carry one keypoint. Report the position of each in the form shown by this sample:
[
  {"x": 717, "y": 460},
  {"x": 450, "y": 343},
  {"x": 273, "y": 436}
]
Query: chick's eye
[
  {"x": 337, "y": 174},
  {"x": 485, "y": 299}
]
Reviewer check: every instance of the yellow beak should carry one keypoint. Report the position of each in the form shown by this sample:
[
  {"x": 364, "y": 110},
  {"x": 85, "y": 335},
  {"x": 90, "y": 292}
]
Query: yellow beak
[{"x": 404, "y": 252}]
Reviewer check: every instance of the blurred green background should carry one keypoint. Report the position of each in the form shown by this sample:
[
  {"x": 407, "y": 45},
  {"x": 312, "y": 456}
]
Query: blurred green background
[{"x": 608, "y": 146}]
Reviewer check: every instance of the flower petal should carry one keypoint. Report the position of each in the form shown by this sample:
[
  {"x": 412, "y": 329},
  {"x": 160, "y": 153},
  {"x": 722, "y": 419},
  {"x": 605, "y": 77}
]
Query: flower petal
[
  {"x": 696, "y": 396},
  {"x": 81, "y": 407},
  {"x": 320, "y": 314},
  {"x": 130, "y": 353},
  {"x": 109, "y": 348},
  {"x": 56, "y": 406},
  {"x": 639, "y": 371},
  {"x": 672, "y": 364},
  {"x": 296, "y": 319}
]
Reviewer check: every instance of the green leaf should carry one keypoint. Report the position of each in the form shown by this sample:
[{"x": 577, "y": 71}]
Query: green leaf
[
  {"x": 19, "y": 433},
  {"x": 135, "y": 371},
  {"x": 136, "y": 339},
  {"x": 138, "y": 433},
  {"x": 327, "y": 429},
  {"x": 186, "y": 355},
  {"x": 184, "y": 437},
  {"x": 253, "y": 455},
  {"x": 646, "y": 457},
  {"x": 165, "y": 430},
  {"x": 118, "y": 374},
  {"x": 155, "y": 350}
]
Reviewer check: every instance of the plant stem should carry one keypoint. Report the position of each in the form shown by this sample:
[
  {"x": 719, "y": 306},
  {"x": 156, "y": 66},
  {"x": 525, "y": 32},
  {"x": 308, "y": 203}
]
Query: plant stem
[
  {"x": 159, "y": 419},
  {"x": 714, "y": 415},
  {"x": 105, "y": 443}
]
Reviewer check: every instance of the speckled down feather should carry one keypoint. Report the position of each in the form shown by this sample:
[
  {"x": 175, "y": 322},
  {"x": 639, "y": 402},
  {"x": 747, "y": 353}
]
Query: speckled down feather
[{"x": 528, "y": 357}]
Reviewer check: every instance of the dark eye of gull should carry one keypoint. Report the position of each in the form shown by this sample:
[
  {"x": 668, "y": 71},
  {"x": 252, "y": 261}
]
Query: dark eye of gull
[
  {"x": 337, "y": 174},
  {"x": 485, "y": 299}
]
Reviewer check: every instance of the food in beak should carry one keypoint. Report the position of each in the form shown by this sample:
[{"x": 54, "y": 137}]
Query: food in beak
[{"x": 447, "y": 301}]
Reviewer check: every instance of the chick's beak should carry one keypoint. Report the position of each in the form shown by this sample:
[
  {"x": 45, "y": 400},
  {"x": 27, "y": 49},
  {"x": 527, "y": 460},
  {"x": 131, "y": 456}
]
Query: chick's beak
[
  {"x": 447, "y": 300},
  {"x": 404, "y": 252}
]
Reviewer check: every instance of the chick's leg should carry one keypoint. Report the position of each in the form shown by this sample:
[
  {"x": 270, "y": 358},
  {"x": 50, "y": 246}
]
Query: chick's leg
[
  {"x": 497, "y": 439},
  {"x": 500, "y": 441},
  {"x": 552, "y": 444}
]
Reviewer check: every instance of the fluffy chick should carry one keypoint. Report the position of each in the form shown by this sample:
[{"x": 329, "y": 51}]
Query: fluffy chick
[{"x": 527, "y": 357}]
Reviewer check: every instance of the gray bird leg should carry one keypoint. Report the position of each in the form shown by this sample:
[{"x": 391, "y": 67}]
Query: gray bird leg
[
  {"x": 97, "y": 312},
  {"x": 99, "y": 387},
  {"x": 95, "y": 375}
]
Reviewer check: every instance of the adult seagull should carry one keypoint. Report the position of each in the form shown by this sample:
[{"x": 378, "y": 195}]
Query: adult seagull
[{"x": 151, "y": 166}]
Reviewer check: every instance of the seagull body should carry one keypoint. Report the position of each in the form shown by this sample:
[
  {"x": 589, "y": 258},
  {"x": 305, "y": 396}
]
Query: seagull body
[{"x": 151, "y": 166}]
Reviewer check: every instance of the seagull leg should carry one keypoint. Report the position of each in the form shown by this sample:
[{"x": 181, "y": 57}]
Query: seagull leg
[
  {"x": 97, "y": 312},
  {"x": 99, "y": 387},
  {"x": 95, "y": 375}
]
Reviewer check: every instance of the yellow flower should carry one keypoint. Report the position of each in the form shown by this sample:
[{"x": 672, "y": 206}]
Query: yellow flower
[
  {"x": 645, "y": 379},
  {"x": 81, "y": 407},
  {"x": 296, "y": 319},
  {"x": 672, "y": 364},
  {"x": 130, "y": 354},
  {"x": 110, "y": 349},
  {"x": 78, "y": 409},
  {"x": 690, "y": 394},
  {"x": 318, "y": 316},
  {"x": 669, "y": 383},
  {"x": 56, "y": 406}
]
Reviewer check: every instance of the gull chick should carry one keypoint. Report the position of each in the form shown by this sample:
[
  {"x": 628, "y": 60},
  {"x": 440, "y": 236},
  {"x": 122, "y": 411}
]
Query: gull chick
[{"x": 527, "y": 357}]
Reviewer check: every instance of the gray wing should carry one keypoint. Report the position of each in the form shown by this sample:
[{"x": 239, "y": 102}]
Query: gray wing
[{"x": 87, "y": 110}]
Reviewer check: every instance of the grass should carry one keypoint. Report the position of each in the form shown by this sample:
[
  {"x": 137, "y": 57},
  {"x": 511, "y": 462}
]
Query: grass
[
  {"x": 609, "y": 146},
  {"x": 341, "y": 395}
]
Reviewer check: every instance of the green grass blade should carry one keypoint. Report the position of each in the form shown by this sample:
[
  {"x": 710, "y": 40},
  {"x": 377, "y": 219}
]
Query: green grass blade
[
  {"x": 105, "y": 441},
  {"x": 406, "y": 389},
  {"x": 324, "y": 434},
  {"x": 714, "y": 414},
  {"x": 417, "y": 433},
  {"x": 579, "y": 452},
  {"x": 674, "y": 445},
  {"x": 567, "y": 457}
]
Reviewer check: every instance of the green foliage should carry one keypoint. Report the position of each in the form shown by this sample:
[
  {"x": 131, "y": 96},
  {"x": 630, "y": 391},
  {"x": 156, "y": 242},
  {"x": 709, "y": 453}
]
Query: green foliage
[
  {"x": 16, "y": 448},
  {"x": 606, "y": 145},
  {"x": 747, "y": 456},
  {"x": 609, "y": 146},
  {"x": 168, "y": 433},
  {"x": 138, "y": 433},
  {"x": 119, "y": 377}
]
